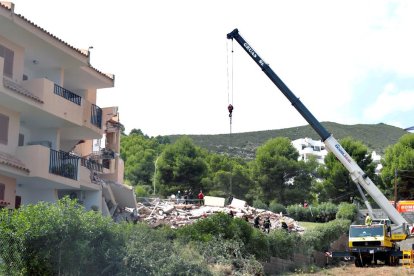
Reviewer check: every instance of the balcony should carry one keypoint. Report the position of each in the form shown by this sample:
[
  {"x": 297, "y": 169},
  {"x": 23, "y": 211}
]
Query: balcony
[
  {"x": 91, "y": 165},
  {"x": 68, "y": 95},
  {"x": 96, "y": 116},
  {"x": 58, "y": 169},
  {"x": 55, "y": 106},
  {"x": 63, "y": 164}
]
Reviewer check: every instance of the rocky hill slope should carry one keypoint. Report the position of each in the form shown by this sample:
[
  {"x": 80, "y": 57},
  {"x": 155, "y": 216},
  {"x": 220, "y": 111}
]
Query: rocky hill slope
[{"x": 375, "y": 136}]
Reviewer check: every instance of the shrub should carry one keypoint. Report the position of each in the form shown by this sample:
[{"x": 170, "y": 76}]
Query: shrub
[
  {"x": 323, "y": 235},
  {"x": 49, "y": 238},
  {"x": 322, "y": 213},
  {"x": 150, "y": 252},
  {"x": 227, "y": 257},
  {"x": 276, "y": 207},
  {"x": 218, "y": 225},
  {"x": 282, "y": 244},
  {"x": 259, "y": 245},
  {"x": 346, "y": 211},
  {"x": 142, "y": 190},
  {"x": 300, "y": 213},
  {"x": 326, "y": 212},
  {"x": 258, "y": 204}
]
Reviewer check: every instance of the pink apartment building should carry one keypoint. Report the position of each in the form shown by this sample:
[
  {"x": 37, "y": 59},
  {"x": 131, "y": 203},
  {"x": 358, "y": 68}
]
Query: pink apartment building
[{"x": 49, "y": 121}]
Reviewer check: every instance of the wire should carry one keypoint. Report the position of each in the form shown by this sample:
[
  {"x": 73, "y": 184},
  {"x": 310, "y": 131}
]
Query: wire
[{"x": 230, "y": 82}]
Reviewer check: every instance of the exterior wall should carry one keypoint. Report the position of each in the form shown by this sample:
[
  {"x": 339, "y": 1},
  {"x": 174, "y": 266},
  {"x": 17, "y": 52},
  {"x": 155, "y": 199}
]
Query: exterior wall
[
  {"x": 39, "y": 168},
  {"x": 93, "y": 199},
  {"x": 308, "y": 147},
  {"x": 10, "y": 191},
  {"x": 33, "y": 196},
  {"x": 13, "y": 131},
  {"x": 18, "y": 58}
]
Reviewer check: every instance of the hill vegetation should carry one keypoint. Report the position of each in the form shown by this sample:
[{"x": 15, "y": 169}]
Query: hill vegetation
[{"x": 375, "y": 136}]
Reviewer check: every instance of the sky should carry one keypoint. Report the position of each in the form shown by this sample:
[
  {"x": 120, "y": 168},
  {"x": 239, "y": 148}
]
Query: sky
[{"x": 350, "y": 62}]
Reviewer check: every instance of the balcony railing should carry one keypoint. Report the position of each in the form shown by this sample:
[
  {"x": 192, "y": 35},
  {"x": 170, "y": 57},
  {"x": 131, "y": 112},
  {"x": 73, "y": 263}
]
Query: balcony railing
[
  {"x": 96, "y": 116},
  {"x": 91, "y": 165},
  {"x": 63, "y": 164},
  {"x": 68, "y": 95}
]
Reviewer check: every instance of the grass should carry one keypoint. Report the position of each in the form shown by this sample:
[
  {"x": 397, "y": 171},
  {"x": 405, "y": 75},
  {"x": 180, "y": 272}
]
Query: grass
[{"x": 308, "y": 225}]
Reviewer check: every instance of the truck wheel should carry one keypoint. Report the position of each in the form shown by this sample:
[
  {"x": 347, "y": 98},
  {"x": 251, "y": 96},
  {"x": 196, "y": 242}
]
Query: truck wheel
[{"x": 358, "y": 262}]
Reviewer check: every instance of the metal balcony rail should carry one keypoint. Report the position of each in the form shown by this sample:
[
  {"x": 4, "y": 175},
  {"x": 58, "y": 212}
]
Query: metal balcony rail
[
  {"x": 63, "y": 164},
  {"x": 91, "y": 165},
  {"x": 68, "y": 95},
  {"x": 96, "y": 116}
]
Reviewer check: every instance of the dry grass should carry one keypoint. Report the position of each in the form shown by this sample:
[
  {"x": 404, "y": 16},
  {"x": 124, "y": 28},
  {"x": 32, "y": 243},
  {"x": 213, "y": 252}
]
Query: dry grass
[{"x": 350, "y": 269}]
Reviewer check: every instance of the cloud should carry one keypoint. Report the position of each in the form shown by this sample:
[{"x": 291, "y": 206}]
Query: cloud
[{"x": 390, "y": 101}]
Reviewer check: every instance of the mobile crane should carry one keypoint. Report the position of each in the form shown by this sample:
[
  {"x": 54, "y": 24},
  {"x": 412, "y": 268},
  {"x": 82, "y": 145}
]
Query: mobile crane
[{"x": 366, "y": 243}]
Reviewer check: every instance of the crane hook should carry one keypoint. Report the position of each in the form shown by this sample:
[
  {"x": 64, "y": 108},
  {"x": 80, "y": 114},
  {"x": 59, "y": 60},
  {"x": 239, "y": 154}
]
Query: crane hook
[{"x": 230, "y": 109}]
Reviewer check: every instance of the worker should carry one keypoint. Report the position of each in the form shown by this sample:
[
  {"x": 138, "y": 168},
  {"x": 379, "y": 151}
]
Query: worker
[
  {"x": 284, "y": 225},
  {"x": 266, "y": 225},
  {"x": 368, "y": 220},
  {"x": 201, "y": 197},
  {"x": 257, "y": 222}
]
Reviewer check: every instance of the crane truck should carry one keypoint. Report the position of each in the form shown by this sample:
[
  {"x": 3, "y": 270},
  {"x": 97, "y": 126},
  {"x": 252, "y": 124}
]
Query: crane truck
[{"x": 366, "y": 243}]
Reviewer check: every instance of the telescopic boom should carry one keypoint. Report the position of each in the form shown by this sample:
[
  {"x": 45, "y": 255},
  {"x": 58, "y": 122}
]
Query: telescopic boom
[{"x": 357, "y": 175}]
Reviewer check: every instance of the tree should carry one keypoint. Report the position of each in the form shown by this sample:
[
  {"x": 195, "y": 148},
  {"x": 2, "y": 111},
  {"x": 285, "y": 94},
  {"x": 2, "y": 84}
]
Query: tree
[
  {"x": 399, "y": 162},
  {"x": 227, "y": 175},
  {"x": 181, "y": 166},
  {"x": 138, "y": 132},
  {"x": 275, "y": 167},
  {"x": 306, "y": 176},
  {"x": 139, "y": 154},
  {"x": 338, "y": 185}
]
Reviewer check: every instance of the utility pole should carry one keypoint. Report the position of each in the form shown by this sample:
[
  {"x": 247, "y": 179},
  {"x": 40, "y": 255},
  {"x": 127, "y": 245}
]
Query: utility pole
[
  {"x": 155, "y": 173},
  {"x": 395, "y": 189}
]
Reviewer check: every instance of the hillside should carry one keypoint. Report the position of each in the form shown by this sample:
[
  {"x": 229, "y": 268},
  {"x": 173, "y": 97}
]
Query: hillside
[{"x": 376, "y": 137}]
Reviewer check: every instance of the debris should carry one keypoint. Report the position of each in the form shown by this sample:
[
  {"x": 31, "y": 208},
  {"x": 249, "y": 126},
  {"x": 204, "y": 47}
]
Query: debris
[{"x": 164, "y": 212}]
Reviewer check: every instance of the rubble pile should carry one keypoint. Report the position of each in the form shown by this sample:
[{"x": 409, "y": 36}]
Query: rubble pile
[{"x": 176, "y": 214}]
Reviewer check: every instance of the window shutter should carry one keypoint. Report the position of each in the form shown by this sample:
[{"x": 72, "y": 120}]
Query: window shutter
[{"x": 4, "y": 129}]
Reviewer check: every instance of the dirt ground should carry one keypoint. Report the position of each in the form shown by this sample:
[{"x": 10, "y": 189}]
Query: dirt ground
[{"x": 350, "y": 269}]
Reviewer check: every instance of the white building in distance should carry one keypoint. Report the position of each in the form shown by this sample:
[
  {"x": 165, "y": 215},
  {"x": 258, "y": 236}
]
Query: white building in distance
[{"x": 308, "y": 147}]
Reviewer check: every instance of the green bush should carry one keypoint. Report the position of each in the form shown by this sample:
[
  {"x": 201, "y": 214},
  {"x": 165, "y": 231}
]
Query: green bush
[
  {"x": 142, "y": 190},
  {"x": 324, "y": 212},
  {"x": 258, "y": 204},
  {"x": 300, "y": 213},
  {"x": 47, "y": 238},
  {"x": 151, "y": 252},
  {"x": 276, "y": 207},
  {"x": 218, "y": 225},
  {"x": 229, "y": 255},
  {"x": 282, "y": 244},
  {"x": 322, "y": 236},
  {"x": 259, "y": 245},
  {"x": 346, "y": 211}
]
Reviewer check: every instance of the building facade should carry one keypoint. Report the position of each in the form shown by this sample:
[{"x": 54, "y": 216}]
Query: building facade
[
  {"x": 307, "y": 147},
  {"x": 49, "y": 119}
]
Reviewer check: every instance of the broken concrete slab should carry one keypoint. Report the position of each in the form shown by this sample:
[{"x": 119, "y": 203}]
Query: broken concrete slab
[{"x": 214, "y": 201}]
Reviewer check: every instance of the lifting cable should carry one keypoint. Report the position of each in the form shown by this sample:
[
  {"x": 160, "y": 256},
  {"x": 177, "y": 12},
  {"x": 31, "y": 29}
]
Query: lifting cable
[
  {"x": 230, "y": 84},
  {"x": 230, "y": 99}
]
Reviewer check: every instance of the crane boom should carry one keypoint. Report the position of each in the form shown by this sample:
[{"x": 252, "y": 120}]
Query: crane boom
[{"x": 357, "y": 174}]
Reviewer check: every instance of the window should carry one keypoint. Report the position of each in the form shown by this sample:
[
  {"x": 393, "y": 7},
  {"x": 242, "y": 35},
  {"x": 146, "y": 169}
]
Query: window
[
  {"x": 21, "y": 140},
  {"x": 8, "y": 56},
  {"x": 2, "y": 191},
  {"x": 4, "y": 129}
]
